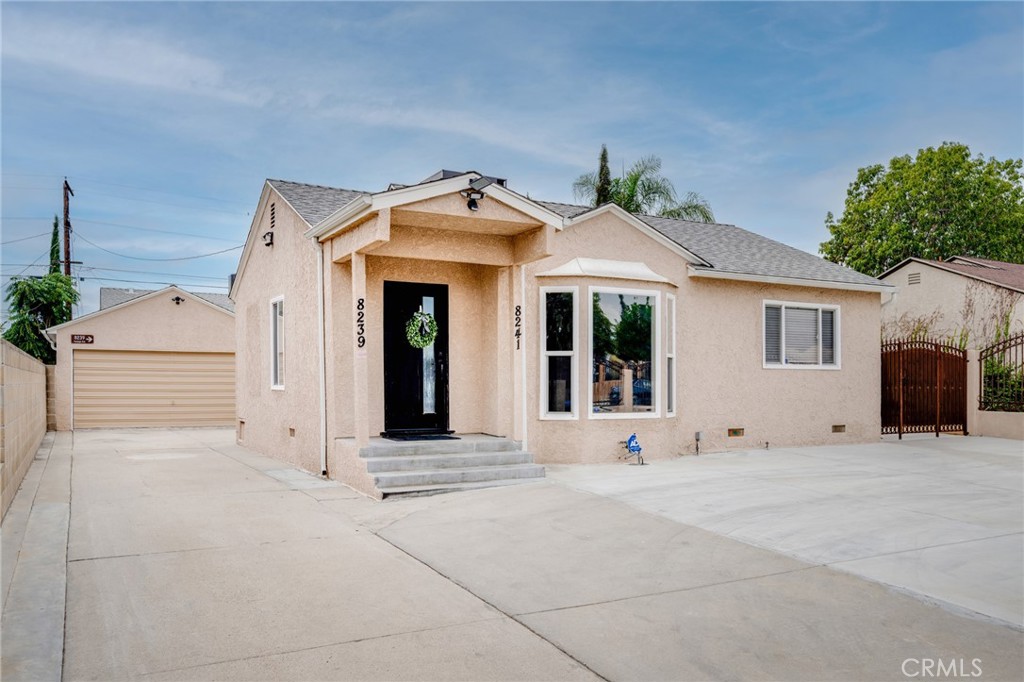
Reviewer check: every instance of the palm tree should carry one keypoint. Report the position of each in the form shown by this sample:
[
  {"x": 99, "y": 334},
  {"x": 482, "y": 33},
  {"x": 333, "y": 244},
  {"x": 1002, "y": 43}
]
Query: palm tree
[{"x": 642, "y": 189}]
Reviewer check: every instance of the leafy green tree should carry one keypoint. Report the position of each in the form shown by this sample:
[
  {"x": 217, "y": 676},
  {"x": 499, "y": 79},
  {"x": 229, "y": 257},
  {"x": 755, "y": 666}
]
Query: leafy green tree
[
  {"x": 643, "y": 189},
  {"x": 633, "y": 332},
  {"x": 940, "y": 204},
  {"x": 55, "y": 248},
  {"x": 36, "y": 303}
]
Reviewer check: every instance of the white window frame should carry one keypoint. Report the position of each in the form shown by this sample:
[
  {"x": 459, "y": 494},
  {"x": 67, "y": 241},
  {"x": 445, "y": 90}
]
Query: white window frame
[
  {"x": 836, "y": 335},
  {"x": 275, "y": 384},
  {"x": 545, "y": 354},
  {"x": 659, "y": 371},
  {"x": 670, "y": 353}
]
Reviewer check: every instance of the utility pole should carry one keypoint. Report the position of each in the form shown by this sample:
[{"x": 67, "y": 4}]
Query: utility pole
[{"x": 67, "y": 229}]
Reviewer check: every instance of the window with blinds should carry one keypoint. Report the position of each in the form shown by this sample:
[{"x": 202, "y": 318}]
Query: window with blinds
[{"x": 800, "y": 335}]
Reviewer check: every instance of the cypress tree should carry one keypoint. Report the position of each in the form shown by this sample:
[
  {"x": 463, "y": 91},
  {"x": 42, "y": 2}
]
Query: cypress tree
[
  {"x": 604, "y": 180},
  {"x": 55, "y": 248}
]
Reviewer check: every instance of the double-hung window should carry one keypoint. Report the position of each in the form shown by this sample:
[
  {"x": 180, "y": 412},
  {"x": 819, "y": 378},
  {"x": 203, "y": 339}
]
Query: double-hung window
[
  {"x": 277, "y": 343},
  {"x": 801, "y": 335},
  {"x": 559, "y": 315}
]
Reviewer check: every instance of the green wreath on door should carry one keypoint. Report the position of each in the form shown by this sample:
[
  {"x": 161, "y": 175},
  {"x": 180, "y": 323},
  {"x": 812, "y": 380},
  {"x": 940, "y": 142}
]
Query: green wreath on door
[{"x": 421, "y": 329}]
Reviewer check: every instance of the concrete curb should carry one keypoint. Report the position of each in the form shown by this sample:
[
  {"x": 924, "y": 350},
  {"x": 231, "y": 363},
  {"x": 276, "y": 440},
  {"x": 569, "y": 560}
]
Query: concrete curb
[{"x": 34, "y": 605}]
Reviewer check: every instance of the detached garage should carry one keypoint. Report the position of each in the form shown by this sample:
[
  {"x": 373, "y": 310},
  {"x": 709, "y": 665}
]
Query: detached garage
[{"x": 147, "y": 359}]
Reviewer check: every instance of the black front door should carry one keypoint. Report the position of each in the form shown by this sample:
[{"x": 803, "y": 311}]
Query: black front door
[{"x": 415, "y": 379}]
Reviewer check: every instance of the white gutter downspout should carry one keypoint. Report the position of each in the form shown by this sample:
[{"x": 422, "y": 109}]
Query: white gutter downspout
[
  {"x": 522, "y": 355},
  {"x": 323, "y": 358}
]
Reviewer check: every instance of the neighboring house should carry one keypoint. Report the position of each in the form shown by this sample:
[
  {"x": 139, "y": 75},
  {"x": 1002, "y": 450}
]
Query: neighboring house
[
  {"x": 147, "y": 358},
  {"x": 563, "y": 328},
  {"x": 968, "y": 301}
]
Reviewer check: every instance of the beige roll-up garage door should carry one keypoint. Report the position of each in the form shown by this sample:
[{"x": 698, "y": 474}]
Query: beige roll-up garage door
[{"x": 137, "y": 388}]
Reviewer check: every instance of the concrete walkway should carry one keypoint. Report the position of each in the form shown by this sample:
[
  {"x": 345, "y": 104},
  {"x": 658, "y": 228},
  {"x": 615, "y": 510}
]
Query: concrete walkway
[{"x": 188, "y": 557}]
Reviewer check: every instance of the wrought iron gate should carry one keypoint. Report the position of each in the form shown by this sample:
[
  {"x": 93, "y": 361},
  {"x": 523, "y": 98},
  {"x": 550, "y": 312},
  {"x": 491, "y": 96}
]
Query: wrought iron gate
[{"x": 924, "y": 387}]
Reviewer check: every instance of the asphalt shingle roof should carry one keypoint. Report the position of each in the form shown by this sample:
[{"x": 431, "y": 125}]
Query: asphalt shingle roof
[
  {"x": 111, "y": 296},
  {"x": 726, "y": 247},
  {"x": 314, "y": 202},
  {"x": 1010, "y": 275}
]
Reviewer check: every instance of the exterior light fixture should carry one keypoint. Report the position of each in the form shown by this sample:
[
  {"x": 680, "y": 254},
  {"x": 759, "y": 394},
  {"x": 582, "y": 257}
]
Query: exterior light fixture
[
  {"x": 475, "y": 192},
  {"x": 473, "y": 197},
  {"x": 178, "y": 300},
  {"x": 268, "y": 238}
]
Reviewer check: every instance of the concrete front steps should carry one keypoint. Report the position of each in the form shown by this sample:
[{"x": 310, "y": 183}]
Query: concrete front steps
[{"x": 433, "y": 466}]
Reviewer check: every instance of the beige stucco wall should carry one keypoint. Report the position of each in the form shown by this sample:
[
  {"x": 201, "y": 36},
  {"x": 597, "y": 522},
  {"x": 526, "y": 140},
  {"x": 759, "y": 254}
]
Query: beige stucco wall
[
  {"x": 154, "y": 324},
  {"x": 984, "y": 422},
  {"x": 22, "y": 416},
  {"x": 946, "y": 303},
  {"x": 720, "y": 380},
  {"x": 283, "y": 423}
]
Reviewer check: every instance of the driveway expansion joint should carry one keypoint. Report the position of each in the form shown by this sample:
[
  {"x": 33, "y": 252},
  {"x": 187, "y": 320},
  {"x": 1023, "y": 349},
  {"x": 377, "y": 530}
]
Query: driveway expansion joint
[{"x": 497, "y": 608}]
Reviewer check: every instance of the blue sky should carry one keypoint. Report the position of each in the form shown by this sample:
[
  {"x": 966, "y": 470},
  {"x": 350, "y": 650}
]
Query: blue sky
[{"x": 167, "y": 117}]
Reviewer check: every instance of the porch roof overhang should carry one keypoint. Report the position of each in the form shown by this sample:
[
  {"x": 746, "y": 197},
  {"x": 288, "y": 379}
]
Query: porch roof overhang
[{"x": 365, "y": 206}]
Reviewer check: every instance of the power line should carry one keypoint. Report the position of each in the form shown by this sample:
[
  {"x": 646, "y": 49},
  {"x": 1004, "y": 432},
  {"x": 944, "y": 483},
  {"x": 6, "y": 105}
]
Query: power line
[
  {"x": 150, "y": 272},
  {"x": 31, "y": 264},
  {"x": 129, "y": 227},
  {"x": 165, "y": 203},
  {"x": 79, "y": 178},
  {"x": 121, "y": 255},
  {"x": 156, "y": 229},
  {"x": 146, "y": 281},
  {"x": 35, "y": 236}
]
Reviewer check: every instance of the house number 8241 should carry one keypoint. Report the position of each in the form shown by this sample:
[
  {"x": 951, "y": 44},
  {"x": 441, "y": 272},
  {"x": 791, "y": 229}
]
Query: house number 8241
[
  {"x": 519, "y": 325},
  {"x": 360, "y": 322}
]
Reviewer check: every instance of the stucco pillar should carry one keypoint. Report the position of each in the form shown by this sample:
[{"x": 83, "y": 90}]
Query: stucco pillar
[
  {"x": 360, "y": 370},
  {"x": 504, "y": 417},
  {"x": 518, "y": 354},
  {"x": 973, "y": 390}
]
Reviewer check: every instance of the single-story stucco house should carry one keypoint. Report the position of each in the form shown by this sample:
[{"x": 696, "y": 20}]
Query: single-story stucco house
[
  {"x": 457, "y": 306},
  {"x": 147, "y": 358},
  {"x": 968, "y": 300}
]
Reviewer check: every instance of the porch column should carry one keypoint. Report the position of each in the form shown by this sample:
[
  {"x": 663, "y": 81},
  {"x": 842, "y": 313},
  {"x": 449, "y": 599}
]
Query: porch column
[{"x": 360, "y": 372}]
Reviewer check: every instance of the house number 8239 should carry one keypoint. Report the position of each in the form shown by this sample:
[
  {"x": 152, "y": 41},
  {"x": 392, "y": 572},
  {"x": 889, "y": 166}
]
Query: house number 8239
[{"x": 360, "y": 322}]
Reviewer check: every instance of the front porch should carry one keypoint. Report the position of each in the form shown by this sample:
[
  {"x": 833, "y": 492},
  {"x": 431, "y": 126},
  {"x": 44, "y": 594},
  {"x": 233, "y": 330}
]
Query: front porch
[{"x": 464, "y": 267}]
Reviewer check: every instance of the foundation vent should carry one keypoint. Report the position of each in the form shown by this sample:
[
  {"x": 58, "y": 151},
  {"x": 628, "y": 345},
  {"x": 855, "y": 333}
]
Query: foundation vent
[
  {"x": 291, "y": 432},
  {"x": 736, "y": 433},
  {"x": 839, "y": 428}
]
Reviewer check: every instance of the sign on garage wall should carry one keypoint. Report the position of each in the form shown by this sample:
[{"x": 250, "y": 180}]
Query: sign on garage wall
[{"x": 81, "y": 338}]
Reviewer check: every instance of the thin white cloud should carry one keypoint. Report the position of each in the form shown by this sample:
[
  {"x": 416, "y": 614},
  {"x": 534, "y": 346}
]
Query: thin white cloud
[{"x": 139, "y": 58}]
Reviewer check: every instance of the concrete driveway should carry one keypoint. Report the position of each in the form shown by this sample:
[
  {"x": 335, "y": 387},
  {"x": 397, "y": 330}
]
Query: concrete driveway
[
  {"x": 941, "y": 518},
  {"x": 188, "y": 557}
]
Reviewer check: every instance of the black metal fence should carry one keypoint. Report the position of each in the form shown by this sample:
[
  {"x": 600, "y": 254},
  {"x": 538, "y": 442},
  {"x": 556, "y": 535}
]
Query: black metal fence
[{"x": 1002, "y": 376}]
